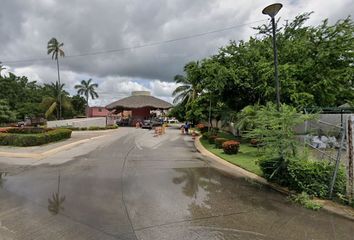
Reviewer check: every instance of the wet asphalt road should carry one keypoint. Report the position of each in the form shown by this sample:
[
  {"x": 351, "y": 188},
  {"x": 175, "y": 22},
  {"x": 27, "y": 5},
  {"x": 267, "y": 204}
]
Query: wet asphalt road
[{"x": 140, "y": 187}]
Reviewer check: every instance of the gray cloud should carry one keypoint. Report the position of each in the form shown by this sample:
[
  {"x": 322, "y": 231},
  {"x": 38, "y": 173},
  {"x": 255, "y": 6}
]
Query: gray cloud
[{"x": 95, "y": 25}]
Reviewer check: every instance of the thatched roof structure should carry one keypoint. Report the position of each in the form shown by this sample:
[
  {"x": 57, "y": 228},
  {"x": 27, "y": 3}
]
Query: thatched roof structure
[{"x": 139, "y": 99}]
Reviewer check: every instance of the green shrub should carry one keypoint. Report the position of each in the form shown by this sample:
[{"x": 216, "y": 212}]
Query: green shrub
[
  {"x": 27, "y": 130},
  {"x": 112, "y": 127},
  {"x": 231, "y": 147},
  {"x": 93, "y": 128},
  {"x": 206, "y": 135},
  {"x": 83, "y": 128},
  {"x": 219, "y": 142},
  {"x": 214, "y": 131},
  {"x": 312, "y": 177},
  {"x": 32, "y": 139},
  {"x": 211, "y": 139},
  {"x": 305, "y": 200}
]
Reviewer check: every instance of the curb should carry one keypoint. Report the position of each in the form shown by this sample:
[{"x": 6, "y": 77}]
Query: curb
[
  {"x": 329, "y": 206},
  {"x": 47, "y": 153}
]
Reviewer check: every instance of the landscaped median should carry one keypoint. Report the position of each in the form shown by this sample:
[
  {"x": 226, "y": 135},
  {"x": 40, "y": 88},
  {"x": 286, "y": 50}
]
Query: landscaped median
[
  {"x": 24, "y": 137},
  {"x": 246, "y": 157}
]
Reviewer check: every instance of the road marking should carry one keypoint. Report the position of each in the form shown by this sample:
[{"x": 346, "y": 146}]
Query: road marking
[{"x": 138, "y": 145}]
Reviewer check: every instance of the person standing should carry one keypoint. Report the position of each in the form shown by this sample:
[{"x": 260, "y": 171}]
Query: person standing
[{"x": 186, "y": 127}]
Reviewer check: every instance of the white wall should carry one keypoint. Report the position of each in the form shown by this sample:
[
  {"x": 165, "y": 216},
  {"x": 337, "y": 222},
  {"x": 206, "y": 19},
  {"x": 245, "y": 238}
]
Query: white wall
[{"x": 78, "y": 122}]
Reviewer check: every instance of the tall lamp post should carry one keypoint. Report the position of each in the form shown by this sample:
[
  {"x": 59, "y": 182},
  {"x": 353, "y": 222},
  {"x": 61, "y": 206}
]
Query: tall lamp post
[{"x": 271, "y": 11}]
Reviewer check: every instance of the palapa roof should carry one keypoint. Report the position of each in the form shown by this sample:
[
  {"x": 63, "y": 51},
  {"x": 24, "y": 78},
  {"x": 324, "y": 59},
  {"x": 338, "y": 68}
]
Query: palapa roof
[{"x": 139, "y": 99}]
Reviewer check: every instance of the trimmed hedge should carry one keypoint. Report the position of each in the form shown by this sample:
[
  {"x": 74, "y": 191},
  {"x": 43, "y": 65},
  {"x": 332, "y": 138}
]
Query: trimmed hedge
[
  {"x": 28, "y": 130},
  {"x": 231, "y": 147},
  {"x": 34, "y": 139},
  {"x": 219, "y": 141},
  {"x": 91, "y": 128},
  {"x": 312, "y": 177}
]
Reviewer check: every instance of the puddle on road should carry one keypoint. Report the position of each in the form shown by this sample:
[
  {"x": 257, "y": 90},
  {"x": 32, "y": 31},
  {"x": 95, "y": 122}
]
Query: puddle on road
[{"x": 240, "y": 209}]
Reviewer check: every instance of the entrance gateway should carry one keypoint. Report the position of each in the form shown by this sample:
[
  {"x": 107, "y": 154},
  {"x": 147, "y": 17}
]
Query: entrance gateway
[{"x": 140, "y": 104}]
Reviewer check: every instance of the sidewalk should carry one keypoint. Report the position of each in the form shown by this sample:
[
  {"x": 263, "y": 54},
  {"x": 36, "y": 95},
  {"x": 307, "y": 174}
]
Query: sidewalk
[{"x": 234, "y": 170}]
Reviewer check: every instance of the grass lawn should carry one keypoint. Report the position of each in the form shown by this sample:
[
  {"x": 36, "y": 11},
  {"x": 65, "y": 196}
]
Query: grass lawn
[{"x": 246, "y": 157}]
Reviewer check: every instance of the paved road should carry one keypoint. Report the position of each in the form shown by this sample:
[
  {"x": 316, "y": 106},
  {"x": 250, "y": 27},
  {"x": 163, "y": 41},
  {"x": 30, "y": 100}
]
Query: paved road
[{"x": 136, "y": 186}]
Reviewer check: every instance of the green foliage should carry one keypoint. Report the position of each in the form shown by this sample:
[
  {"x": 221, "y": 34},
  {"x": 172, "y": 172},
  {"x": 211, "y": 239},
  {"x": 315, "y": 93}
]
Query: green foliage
[
  {"x": 219, "y": 141},
  {"x": 211, "y": 138},
  {"x": 300, "y": 175},
  {"x": 231, "y": 147},
  {"x": 34, "y": 139},
  {"x": 275, "y": 129},
  {"x": 28, "y": 130},
  {"x": 313, "y": 177},
  {"x": 79, "y": 105},
  {"x": 6, "y": 115},
  {"x": 87, "y": 89},
  {"x": 305, "y": 200},
  {"x": 315, "y": 70}
]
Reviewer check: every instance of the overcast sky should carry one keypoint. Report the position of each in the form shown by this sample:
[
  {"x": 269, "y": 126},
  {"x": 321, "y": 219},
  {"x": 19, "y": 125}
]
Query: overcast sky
[{"x": 87, "y": 26}]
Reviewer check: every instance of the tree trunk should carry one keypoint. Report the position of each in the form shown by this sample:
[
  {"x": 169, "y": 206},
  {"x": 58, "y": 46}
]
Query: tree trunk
[
  {"x": 87, "y": 106},
  {"x": 59, "y": 95}
]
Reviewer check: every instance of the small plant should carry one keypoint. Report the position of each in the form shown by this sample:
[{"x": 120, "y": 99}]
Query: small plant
[
  {"x": 255, "y": 142},
  {"x": 214, "y": 131},
  {"x": 305, "y": 200},
  {"x": 202, "y": 128},
  {"x": 219, "y": 142},
  {"x": 231, "y": 147},
  {"x": 211, "y": 139}
]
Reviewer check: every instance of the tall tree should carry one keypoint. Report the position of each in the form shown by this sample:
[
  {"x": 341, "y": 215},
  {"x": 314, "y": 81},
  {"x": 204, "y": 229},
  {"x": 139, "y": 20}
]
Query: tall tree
[
  {"x": 55, "y": 49},
  {"x": 87, "y": 89},
  {"x": 6, "y": 115},
  {"x": 54, "y": 94},
  {"x": 189, "y": 84}
]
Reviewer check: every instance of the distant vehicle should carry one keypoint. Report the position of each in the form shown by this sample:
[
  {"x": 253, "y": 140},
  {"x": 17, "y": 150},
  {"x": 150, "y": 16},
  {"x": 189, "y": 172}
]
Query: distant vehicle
[
  {"x": 35, "y": 121},
  {"x": 149, "y": 124},
  {"x": 172, "y": 121},
  {"x": 123, "y": 122}
]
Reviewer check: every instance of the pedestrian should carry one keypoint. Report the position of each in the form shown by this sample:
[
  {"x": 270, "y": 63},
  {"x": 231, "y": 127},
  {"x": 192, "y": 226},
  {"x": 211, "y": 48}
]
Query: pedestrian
[
  {"x": 182, "y": 129},
  {"x": 186, "y": 127}
]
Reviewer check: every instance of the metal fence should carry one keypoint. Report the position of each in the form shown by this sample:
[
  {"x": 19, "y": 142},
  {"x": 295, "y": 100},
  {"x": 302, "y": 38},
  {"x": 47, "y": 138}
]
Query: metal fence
[{"x": 332, "y": 142}]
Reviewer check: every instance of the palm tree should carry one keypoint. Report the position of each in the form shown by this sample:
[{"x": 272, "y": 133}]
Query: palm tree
[
  {"x": 86, "y": 88},
  {"x": 190, "y": 88},
  {"x": 55, "y": 48},
  {"x": 55, "y": 94}
]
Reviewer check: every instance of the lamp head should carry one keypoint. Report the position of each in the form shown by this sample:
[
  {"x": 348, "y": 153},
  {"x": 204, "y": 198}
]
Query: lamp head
[{"x": 272, "y": 10}]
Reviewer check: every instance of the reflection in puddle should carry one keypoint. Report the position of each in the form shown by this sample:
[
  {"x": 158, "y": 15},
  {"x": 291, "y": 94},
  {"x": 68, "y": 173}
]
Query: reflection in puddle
[
  {"x": 2, "y": 175},
  {"x": 55, "y": 203}
]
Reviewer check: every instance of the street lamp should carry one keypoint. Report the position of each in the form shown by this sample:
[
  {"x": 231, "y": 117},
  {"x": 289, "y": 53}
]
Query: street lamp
[{"x": 271, "y": 11}]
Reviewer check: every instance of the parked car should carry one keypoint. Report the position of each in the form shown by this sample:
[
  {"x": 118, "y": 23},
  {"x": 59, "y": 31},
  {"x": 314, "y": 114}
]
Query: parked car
[
  {"x": 123, "y": 122},
  {"x": 149, "y": 124}
]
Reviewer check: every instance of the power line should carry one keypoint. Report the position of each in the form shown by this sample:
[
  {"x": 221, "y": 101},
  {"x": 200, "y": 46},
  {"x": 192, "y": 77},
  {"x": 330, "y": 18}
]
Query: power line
[{"x": 135, "y": 47}]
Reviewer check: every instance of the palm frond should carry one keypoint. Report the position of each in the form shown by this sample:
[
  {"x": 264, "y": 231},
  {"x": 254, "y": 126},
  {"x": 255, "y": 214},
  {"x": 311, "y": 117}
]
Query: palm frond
[{"x": 50, "y": 110}]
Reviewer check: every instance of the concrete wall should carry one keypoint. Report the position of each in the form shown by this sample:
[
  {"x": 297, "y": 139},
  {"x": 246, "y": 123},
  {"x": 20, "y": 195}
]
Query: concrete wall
[
  {"x": 333, "y": 119},
  {"x": 78, "y": 122}
]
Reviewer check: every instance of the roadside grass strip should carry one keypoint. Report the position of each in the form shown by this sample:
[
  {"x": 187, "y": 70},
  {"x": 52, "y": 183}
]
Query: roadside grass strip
[{"x": 246, "y": 158}]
